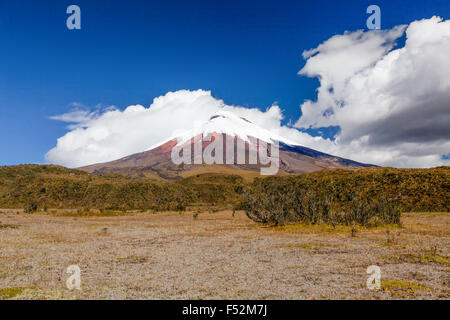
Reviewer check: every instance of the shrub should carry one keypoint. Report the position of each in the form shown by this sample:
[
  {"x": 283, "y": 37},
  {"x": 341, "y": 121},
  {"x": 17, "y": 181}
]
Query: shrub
[
  {"x": 360, "y": 212},
  {"x": 388, "y": 211},
  {"x": 30, "y": 207},
  {"x": 278, "y": 202}
]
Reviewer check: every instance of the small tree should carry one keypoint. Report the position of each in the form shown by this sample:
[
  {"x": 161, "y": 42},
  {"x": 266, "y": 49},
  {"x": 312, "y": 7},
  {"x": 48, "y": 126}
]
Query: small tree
[{"x": 30, "y": 207}]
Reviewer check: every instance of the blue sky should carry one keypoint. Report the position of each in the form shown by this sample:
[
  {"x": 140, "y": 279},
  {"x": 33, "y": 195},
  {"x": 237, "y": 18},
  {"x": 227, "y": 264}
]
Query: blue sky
[{"x": 247, "y": 53}]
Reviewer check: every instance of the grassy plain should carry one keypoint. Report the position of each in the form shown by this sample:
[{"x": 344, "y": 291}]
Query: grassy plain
[{"x": 169, "y": 255}]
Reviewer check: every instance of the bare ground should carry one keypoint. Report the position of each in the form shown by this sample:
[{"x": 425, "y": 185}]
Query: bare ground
[{"x": 218, "y": 256}]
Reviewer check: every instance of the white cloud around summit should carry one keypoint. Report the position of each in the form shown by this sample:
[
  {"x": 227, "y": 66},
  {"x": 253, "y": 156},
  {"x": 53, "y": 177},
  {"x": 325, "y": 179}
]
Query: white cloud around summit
[
  {"x": 99, "y": 137},
  {"x": 392, "y": 105}
]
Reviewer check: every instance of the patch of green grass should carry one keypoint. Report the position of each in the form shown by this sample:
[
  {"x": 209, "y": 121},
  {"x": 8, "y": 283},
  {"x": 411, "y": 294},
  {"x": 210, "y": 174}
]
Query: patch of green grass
[
  {"x": 402, "y": 285},
  {"x": 429, "y": 258},
  {"x": 322, "y": 227},
  {"x": 9, "y": 293},
  {"x": 424, "y": 259},
  {"x": 311, "y": 228}
]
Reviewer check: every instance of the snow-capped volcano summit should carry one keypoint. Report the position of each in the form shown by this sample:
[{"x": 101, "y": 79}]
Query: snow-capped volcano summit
[
  {"x": 235, "y": 126},
  {"x": 231, "y": 141},
  {"x": 224, "y": 122}
]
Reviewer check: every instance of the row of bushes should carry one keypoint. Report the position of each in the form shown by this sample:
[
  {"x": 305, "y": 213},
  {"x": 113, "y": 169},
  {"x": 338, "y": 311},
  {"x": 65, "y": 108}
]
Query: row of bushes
[
  {"x": 281, "y": 203},
  {"x": 34, "y": 187},
  {"x": 329, "y": 196}
]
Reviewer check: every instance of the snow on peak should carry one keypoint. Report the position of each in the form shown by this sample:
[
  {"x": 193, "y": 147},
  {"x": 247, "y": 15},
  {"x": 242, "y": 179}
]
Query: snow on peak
[{"x": 228, "y": 123}]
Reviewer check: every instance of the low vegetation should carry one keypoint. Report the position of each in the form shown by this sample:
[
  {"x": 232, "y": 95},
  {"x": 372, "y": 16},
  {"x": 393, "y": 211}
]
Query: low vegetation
[
  {"x": 43, "y": 187},
  {"x": 9, "y": 293},
  {"x": 402, "y": 285},
  {"x": 219, "y": 257},
  {"x": 369, "y": 196},
  {"x": 279, "y": 203}
]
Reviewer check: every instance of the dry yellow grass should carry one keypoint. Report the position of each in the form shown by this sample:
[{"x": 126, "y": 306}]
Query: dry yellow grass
[
  {"x": 218, "y": 256},
  {"x": 248, "y": 175}
]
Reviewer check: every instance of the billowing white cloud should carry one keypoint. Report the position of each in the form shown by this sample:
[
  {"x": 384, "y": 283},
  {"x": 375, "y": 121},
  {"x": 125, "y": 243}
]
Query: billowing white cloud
[
  {"x": 392, "y": 106},
  {"x": 112, "y": 134}
]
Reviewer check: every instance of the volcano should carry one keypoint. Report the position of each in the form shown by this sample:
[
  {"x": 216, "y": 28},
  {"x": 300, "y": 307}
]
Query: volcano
[{"x": 226, "y": 143}]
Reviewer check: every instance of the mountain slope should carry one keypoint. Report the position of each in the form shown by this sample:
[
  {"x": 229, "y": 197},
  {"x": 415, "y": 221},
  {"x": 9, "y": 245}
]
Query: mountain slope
[{"x": 229, "y": 133}]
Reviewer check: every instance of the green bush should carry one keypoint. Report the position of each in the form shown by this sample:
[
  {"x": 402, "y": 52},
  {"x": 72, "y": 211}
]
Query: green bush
[
  {"x": 280, "y": 203},
  {"x": 331, "y": 196}
]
